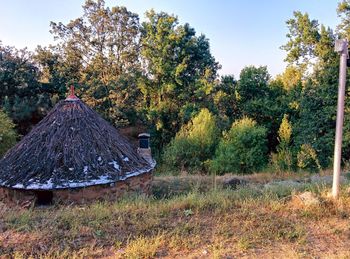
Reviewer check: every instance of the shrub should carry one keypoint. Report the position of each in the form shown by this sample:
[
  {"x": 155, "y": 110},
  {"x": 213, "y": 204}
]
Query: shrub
[
  {"x": 143, "y": 247},
  {"x": 7, "y": 133},
  {"x": 243, "y": 149},
  {"x": 194, "y": 144},
  {"x": 283, "y": 160},
  {"x": 307, "y": 159}
]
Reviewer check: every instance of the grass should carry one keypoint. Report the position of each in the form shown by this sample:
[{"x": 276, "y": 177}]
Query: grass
[{"x": 185, "y": 222}]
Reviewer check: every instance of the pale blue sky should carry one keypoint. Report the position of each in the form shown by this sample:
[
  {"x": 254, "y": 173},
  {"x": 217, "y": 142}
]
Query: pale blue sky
[{"x": 241, "y": 32}]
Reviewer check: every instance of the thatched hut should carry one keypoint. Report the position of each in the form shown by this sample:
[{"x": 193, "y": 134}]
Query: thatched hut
[{"x": 73, "y": 155}]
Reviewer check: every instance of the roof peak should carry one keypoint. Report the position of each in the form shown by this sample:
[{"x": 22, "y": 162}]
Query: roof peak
[{"x": 72, "y": 96}]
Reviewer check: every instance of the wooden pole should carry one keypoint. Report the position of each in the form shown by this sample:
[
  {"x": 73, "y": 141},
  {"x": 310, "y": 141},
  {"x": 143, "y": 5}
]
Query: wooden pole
[{"x": 341, "y": 46}]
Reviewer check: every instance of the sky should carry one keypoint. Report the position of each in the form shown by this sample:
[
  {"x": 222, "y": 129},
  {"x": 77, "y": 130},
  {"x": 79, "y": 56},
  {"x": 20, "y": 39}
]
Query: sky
[{"x": 240, "y": 32}]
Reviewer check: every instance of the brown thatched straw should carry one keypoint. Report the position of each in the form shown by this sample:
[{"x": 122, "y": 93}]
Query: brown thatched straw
[{"x": 71, "y": 147}]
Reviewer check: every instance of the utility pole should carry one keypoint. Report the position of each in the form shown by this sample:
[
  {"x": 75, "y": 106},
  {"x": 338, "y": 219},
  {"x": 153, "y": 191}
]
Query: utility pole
[{"x": 341, "y": 46}]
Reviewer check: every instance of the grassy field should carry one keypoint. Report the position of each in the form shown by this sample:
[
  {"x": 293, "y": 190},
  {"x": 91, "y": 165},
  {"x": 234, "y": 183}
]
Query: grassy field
[{"x": 187, "y": 217}]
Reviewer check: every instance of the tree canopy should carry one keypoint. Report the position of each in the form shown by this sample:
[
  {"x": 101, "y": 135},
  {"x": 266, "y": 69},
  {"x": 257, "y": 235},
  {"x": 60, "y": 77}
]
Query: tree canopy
[{"x": 161, "y": 75}]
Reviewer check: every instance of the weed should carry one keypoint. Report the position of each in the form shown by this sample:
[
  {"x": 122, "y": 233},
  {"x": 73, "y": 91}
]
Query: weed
[
  {"x": 20, "y": 221},
  {"x": 244, "y": 244},
  {"x": 188, "y": 212},
  {"x": 143, "y": 247}
]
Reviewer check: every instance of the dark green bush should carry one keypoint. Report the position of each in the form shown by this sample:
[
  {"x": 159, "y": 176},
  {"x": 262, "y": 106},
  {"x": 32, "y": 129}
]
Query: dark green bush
[
  {"x": 243, "y": 149},
  {"x": 7, "y": 133}
]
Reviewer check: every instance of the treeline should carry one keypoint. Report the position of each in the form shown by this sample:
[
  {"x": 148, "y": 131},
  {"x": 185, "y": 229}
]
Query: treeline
[{"x": 161, "y": 74}]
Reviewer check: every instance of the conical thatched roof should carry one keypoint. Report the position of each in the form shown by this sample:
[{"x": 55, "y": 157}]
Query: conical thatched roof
[{"x": 71, "y": 147}]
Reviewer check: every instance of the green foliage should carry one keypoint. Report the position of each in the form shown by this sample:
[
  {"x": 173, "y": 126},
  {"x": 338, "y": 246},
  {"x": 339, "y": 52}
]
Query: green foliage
[
  {"x": 291, "y": 77},
  {"x": 52, "y": 74},
  {"x": 303, "y": 35},
  {"x": 7, "y": 133},
  {"x": 226, "y": 100},
  {"x": 162, "y": 74},
  {"x": 317, "y": 112},
  {"x": 21, "y": 94},
  {"x": 253, "y": 83},
  {"x": 262, "y": 100},
  {"x": 283, "y": 160},
  {"x": 314, "y": 126},
  {"x": 243, "y": 149},
  {"x": 343, "y": 11},
  {"x": 315, "y": 103},
  {"x": 285, "y": 132},
  {"x": 194, "y": 144},
  {"x": 307, "y": 159},
  {"x": 180, "y": 70},
  {"x": 100, "y": 52}
]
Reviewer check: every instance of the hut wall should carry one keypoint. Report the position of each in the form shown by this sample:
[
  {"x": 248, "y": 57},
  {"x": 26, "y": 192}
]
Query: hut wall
[
  {"x": 109, "y": 192},
  {"x": 15, "y": 196}
]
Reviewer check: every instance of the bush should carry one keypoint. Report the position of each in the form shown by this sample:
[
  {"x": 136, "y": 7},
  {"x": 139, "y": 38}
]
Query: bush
[
  {"x": 284, "y": 160},
  {"x": 194, "y": 144},
  {"x": 307, "y": 159},
  {"x": 242, "y": 150},
  {"x": 7, "y": 133}
]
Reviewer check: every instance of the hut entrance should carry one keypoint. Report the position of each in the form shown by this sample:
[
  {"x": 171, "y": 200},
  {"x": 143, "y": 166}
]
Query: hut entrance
[{"x": 43, "y": 198}]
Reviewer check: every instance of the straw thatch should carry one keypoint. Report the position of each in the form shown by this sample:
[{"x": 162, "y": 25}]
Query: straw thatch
[{"x": 71, "y": 147}]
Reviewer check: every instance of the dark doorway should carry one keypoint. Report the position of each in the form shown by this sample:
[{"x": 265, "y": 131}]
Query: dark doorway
[{"x": 43, "y": 198}]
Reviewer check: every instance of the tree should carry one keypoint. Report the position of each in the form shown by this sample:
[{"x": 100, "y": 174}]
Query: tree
[
  {"x": 225, "y": 100},
  {"x": 101, "y": 52},
  {"x": 243, "y": 149},
  {"x": 303, "y": 35},
  {"x": 21, "y": 95},
  {"x": 179, "y": 72},
  {"x": 261, "y": 100},
  {"x": 253, "y": 83},
  {"x": 53, "y": 73},
  {"x": 314, "y": 122},
  {"x": 343, "y": 11},
  {"x": 291, "y": 77},
  {"x": 8, "y": 134}
]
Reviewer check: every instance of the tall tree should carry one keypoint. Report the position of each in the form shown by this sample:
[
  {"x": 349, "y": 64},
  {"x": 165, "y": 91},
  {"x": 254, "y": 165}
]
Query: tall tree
[
  {"x": 343, "y": 11},
  {"x": 302, "y": 36},
  {"x": 21, "y": 95},
  {"x": 315, "y": 124},
  {"x": 101, "y": 49},
  {"x": 226, "y": 100},
  {"x": 53, "y": 72},
  {"x": 179, "y": 72},
  {"x": 261, "y": 101}
]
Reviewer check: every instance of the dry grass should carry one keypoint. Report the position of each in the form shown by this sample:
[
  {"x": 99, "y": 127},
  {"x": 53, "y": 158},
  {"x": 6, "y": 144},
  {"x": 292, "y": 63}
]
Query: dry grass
[{"x": 196, "y": 222}]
